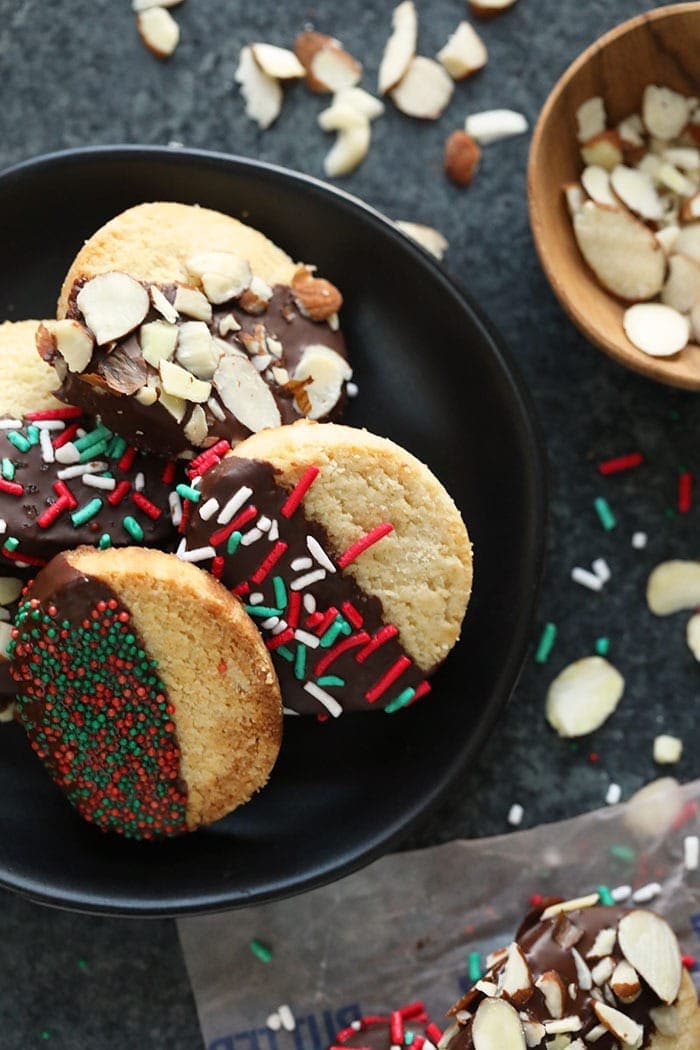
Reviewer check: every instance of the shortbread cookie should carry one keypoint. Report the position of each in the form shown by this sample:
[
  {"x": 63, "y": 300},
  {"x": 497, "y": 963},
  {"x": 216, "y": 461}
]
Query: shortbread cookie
[
  {"x": 407, "y": 1027},
  {"x": 605, "y": 976},
  {"x": 347, "y": 551},
  {"x": 145, "y": 690},
  {"x": 180, "y": 326},
  {"x": 26, "y": 382}
]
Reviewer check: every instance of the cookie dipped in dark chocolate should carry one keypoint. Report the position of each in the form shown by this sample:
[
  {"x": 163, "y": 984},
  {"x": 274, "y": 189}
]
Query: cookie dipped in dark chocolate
[
  {"x": 332, "y": 647},
  {"x": 57, "y": 494},
  {"x": 549, "y": 947},
  {"x": 93, "y": 705},
  {"x": 273, "y": 341}
]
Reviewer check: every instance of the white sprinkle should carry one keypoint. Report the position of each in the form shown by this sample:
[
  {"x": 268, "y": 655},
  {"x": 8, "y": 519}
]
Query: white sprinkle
[
  {"x": 182, "y": 546},
  {"x": 175, "y": 508},
  {"x": 691, "y": 852},
  {"x": 256, "y": 599},
  {"x": 234, "y": 505},
  {"x": 356, "y": 1025},
  {"x": 48, "y": 453},
  {"x": 602, "y": 569},
  {"x": 288, "y": 711},
  {"x": 273, "y": 1022},
  {"x": 196, "y": 482},
  {"x": 67, "y": 453},
  {"x": 301, "y": 564},
  {"x": 251, "y": 536},
  {"x": 309, "y": 603},
  {"x": 263, "y": 523},
  {"x": 621, "y": 893},
  {"x": 97, "y": 482},
  {"x": 50, "y": 424},
  {"x": 515, "y": 815},
  {"x": 639, "y": 540},
  {"x": 139, "y": 482},
  {"x": 646, "y": 893},
  {"x": 198, "y": 554},
  {"x": 272, "y": 621},
  {"x": 274, "y": 533},
  {"x": 5, "y": 614},
  {"x": 586, "y": 579},
  {"x": 329, "y": 702},
  {"x": 80, "y": 432},
  {"x": 96, "y": 467},
  {"x": 208, "y": 509},
  {"x": 352, "y": 389},
  {"x": 22, "y": 564},
  {"x": 287, "y": 1018},
  {"x": 307, "y": 639},
  {"x": 614, "y": 795},
  {"x": 216, "y": 409},
  {"x": 305, "y": 581},
  {"x": 10, "y": 424},
  {"x": 3, "y": 526},
  {"x": 319, "y": 554},
  {"x": 279, "y": 627}
]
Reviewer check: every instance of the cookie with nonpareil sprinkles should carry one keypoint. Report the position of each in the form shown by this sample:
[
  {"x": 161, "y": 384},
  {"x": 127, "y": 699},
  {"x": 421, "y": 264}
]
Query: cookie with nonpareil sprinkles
[
  {"x": 408, "y": 1026},
  {"x": 348, "y": 553},
  {"x": 145, "y": 690}
]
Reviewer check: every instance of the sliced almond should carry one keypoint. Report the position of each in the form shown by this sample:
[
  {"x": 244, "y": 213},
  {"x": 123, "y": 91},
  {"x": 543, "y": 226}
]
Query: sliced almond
[
  {"x": 255, "y": 299},
  {"x": 490, "y": 8},
  {"x": 262, "y": 94},
  {"x": 583, "y": 973},
  {"x": 590, "y": 119},
  {"x": 146, "y": 395},
  {"x": 584, "y": 696},
  {"x": 496, "y": 1026},
  {"x": 137, "y": 6},
  {"x": 622, "y": 252},
  {"x": 178, "y": 382},
  {"x": 352, "y": 143},
  {"x": 192, "y": 303},
  {"x": 682, "y": 288},
  {"x": 400, "y": 48},
  {"x": 164, "y": 307},
  {"x": 495, "y": 124},
  {"x": 158, "y": 340},
  {"x": 603, "y": 944},
  {"x": 224, "y": 275},
  {"x": 534, "y": 1033},
  {"x": 564, "y": 1025},
  {"x": 692, "y": 635},
  {"x": 494, "y": 958},
  {"x": 691, "y": 208},
  {"x": 650, "y": 164},
  {"x": 305, "y": 47},
  {"x": 688, "y": 242},
  {"x": 195, "y": 350},
  {"x": 603, "y": 970},
  {"x": 515, "y": 980},
  {"x": 113, "y": 304},
  {"x": 328, "y": 371},
  {"x": 430, "y": 239},
  {"x": 657, "y": 330},
  {"x": 667, "y": 237},
  {"x": 196, "y": 430},
  {"x": 604, "y": 149},
  {"x": 637, "y": 192},
  {"x": 564, "y": 907},
  {"x": 596, "y": 182},
  {"x": 552, "y": 988},
  {"x": 176, "y": 406},
  {"x": 687, "y": 158},
  {"x": 73, "y": 342},
  {"x": 664, "y": 112},
  {"x": 464, "y": 53},
  {"x": 333, "y": 69},
  {"x": 631, "y": 131},
  {"x": 622, "y": 1027},
  {"x": 574, "y": 196},
  {"x": 159, "y": 31},
  {"x": 424, "y": 90},
  {"x": 228, "y": 324},
  {"x": 625, "y": 983},
  {"x": 361, "y": 100},
  {"x": 650, "y": 946},
  {"x": 675, "y": 180},
  {"x": 245, "y": 394},
  {"x": 277, "y": 62},
  {"x": 668, "y": 1020},
  {"x": 124, "y": 369}
]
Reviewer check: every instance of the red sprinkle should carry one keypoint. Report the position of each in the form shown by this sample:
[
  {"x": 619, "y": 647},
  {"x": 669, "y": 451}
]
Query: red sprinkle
[
  {"x": 267, "y": 564},
  {"x": 66, "y": 435},
  {"x": 51, "y": 513},
  {"x": 186, "y": 506},
  {"x": 241, "y": 589},
  {"x": 61, "y": 489},
  {"x": 685, "y": 492},
  {"x": 327, "y": 618},
  {"x": 280, "y": 639},
  {"x": 685, "y": 816},
  {"x": 387, "y": 679},
  {"x": 222, "y": 667},
  {"x": 217, "y": 567},
  {"x": 238, "y": 522},
  {"x": 433, "y": 1032},
  {"x": 146, "y": 506},
  {"x": 361, "y": 545},
  {"x": 421, "y": 690},
  {"x": 384, "y": 634},
  {"x": 337, "y": 650},
  {"x": 352, "y": 615},
  {"x": 169, "y": 473},
  {"x": 614, "y": 466},
  {"x": 299, "y": 491},
  {"x": 418, "y": 1043},
  {"x": 12, "y": 488},
  {"x": 536, "y": 900},
  {"x": 127, "y": 460},
  {"x": 689, "y": 961},
  {"x": 69, "y": 412},
  {"x": 396, "y": 1028},
  {"x": 594, "y": 757},
  {"x": 118, "y": 493},
  {"x": 411, "y": 1010},
  {"x": 26, "y": 558},
  {"x": 294, "y": 609}
]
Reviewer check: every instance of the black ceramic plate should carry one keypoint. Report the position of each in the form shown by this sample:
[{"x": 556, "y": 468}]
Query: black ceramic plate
[{"x": 434, "y": 377}]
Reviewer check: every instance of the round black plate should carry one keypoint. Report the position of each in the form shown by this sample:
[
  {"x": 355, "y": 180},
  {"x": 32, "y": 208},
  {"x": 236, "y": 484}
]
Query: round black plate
[{"x": 434, "y": 377}]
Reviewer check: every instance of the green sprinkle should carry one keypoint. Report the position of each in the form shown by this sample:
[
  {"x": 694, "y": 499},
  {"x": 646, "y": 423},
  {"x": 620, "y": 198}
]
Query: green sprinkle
[
  {"x": 187, "y": 492},
  {"x": 670, "y": 512},
  {"x": 300, "y": 662},
  {"x": 262, "y": 610},
  {"x": 233, "y": 542},
  {"x": 285, "y": 652},
  {"x": 46, "y": 1035},
  {"x": 117, "y": 447},
  {"x": 8, "y": 469},
  {"x": 260, "y": 950},
  {"x": 280, "y": 592},
  {"x": 93, "y": 451},
  {"x": 33, "y": 434},
  {"x": 86, "y": 513},
  {"x": 19, "y": 441},
  {"x": 606, "y": 896},
  {"x": 332, "y": 633},
  {"x": 606, "y": 516},
  {"x": 11, "y": 544},
  {"x": 92, "y": 438},
  {"x": 330, "y": 679},
  {"x": 132, "y": 527},
  {"x": 623, "y": 853},
  {"x": 401, "y": 700},
  {"x": 408, "y": 1038},
  {"x": 474, "y": 966},
  {"x": 602, "y": 646},
  {"x": 104, "y": 542},
  {"x": 546, "y": 643}
]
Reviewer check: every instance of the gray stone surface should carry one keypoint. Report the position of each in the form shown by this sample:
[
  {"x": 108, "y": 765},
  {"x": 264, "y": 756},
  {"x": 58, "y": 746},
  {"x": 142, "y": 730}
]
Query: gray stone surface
[{"x": 74, "y": 74}]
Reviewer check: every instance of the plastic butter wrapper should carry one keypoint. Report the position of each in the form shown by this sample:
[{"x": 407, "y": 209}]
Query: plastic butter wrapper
[{"x": 404, "y": 928}]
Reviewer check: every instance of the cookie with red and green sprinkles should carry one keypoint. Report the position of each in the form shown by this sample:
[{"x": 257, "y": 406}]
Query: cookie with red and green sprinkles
[
  {"x": 145, "y": 690},
  {"x": 347, "y": 551},
  {"x": 407, "y": 1028}
]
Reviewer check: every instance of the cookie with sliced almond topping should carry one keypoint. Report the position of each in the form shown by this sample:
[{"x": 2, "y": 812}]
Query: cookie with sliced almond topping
[{"x": 181, "y": 327}]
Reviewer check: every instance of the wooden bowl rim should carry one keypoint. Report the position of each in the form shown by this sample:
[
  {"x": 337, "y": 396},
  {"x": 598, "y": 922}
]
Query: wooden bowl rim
[{"x": 651, "y": 367}]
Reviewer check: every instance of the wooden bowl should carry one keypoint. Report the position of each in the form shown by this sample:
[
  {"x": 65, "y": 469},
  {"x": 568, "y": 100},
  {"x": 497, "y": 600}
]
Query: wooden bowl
[{"x": 660, "y": 47}]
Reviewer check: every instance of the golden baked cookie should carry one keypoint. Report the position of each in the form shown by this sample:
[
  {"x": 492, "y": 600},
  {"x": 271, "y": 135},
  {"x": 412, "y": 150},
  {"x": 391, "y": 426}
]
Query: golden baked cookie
[
  {"x": 349, "y": 554},
  {"x": 145, "y": 690},
  {"x": 27, "y": 382}
]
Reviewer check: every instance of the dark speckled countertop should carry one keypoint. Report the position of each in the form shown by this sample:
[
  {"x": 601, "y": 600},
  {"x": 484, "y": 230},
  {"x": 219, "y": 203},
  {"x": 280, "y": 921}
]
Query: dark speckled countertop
[{"x": 75, "y": 74}]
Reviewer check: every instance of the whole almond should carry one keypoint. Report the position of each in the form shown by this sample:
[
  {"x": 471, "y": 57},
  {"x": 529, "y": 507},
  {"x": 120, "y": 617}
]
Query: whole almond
[
  {"x": 317, "y": 298},
  {"x": 462, "y": 158}
]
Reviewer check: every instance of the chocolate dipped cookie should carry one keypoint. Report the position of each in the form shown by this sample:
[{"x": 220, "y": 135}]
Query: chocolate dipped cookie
[
  {"x": 407, "y": 1027},
  {"x": 348, "y": 553},
  {"x": 577, "y": 976},
  {"x": 179, "y": 327},
  {"x": 145, "y": 690}
]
